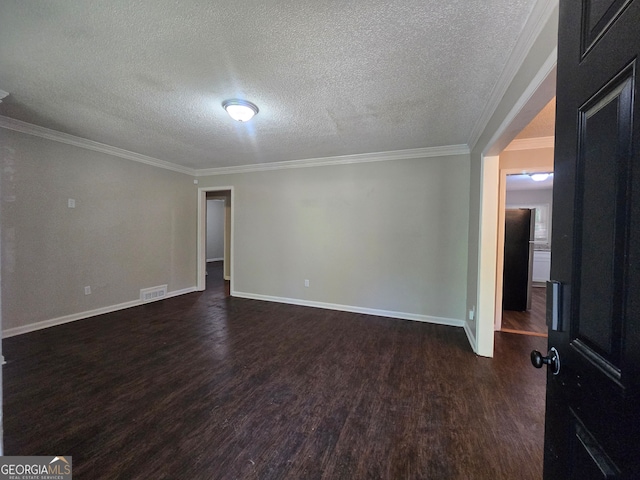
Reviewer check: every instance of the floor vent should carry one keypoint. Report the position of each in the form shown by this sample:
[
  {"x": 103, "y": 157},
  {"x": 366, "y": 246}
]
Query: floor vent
[{"x": 153, "y": 293}]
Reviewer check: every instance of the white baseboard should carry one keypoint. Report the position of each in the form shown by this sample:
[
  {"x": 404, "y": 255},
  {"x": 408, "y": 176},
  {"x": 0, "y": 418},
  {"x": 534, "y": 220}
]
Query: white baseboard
[
  {"x": 452, "y": 322},
  {"x": 471, "y": 337},
  {"x": 184, "y": 291},
  {"x": 215, "y": 259},
  {"x": 11, "y": 332},
  {"x": 227, "y": 277}
]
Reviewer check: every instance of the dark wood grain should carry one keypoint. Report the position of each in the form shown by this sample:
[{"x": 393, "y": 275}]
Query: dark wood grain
[
  {"x": 532, "y": 321},
  {"x": 217, "y": 287},
  {"x": 207, "y": 387}
]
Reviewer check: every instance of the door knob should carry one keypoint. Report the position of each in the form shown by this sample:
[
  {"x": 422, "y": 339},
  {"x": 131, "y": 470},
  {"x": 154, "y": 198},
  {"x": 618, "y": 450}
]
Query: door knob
[{"x": 552, "y": 359}]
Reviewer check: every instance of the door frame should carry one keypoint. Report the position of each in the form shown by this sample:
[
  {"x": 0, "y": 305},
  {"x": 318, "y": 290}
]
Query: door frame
[
  {"x": 201, "y": 260},
  {"x": 502, "y": 206},
  {"x": 538, "y": 93}
]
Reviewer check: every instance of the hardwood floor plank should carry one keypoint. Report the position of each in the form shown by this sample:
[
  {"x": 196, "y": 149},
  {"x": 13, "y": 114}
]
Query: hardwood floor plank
[
  {"x": 532, "y": 321},
  {"x": 207, "y": 387}
]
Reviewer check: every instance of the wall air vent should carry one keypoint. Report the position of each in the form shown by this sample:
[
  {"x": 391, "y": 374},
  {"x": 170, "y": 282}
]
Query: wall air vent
[{"x": 153, "y": 293}]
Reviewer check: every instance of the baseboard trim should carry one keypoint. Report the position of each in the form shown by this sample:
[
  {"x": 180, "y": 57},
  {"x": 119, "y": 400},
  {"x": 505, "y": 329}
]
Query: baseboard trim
[
  {"x": 177, "y": 293},
  {"x": 452, "y": 322},
  {"x": 215, "y": 259},
  {"x": 32, "y": 327},
  {"x": 471, "y": 337}
]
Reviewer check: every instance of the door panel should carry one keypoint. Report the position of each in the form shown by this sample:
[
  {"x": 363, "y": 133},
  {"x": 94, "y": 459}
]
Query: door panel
[
  {"x": 598, "y": 16},
  {"x": 602, "y": 207},
  {"x": 593, "y": 403},
  {"x": 591, "y": 460}
]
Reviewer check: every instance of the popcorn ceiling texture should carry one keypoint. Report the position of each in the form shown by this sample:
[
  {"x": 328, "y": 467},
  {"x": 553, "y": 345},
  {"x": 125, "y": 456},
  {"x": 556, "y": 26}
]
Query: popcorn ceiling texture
[
  {"x": 543, "y": 125},
  {"x": 330, "y": 77}
]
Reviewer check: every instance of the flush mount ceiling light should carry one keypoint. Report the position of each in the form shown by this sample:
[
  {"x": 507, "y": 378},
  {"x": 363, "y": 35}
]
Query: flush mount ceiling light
[
  {"x": 240, "y": 110},
  {"x": 539, "y": 177}
]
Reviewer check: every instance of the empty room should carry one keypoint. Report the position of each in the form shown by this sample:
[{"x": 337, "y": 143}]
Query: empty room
[{"x": 249, "y": 240}]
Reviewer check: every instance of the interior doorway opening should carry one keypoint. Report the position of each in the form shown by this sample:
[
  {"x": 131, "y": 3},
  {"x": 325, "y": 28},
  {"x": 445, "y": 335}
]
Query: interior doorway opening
[
  {"x": 537, "y": 94},
  {"x": 216, "y": 282},
  {"x": 523, "y": 192},
  {"x": 523, "y": 264},
  {"x": 215, "y": 240}
]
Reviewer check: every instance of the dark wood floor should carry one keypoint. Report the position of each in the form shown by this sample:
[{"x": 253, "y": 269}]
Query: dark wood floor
[
  {"x": 217, "y": 287},
  {"x": 205, "y": 386},
  {"x": 532, "y": 321}
]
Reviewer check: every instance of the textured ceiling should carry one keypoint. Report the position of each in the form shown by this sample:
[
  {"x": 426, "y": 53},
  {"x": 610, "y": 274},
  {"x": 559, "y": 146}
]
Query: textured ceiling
[
  {"x": 543, "y": 125},
  {"x": 330, "y": 77}
]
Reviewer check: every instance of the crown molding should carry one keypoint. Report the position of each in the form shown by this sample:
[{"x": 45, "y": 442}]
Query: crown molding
[
  {"x": 542, "y": 11},
  {"x": 35, "y": 130},
  {"x": 42, "y": 132},
  {"x": 443, "y": 151},
  {"x": 531, "y": 143}
]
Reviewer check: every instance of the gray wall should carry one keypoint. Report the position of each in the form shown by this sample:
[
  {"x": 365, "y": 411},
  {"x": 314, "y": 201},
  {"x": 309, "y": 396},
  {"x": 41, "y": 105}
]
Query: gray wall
[
  {"x": 133, "y": 227},
  {"x": 533, "y": 197},
  {"x": 530, "y": 197},
  {"x": 385, "y": 235},
  {"x": 215, "y": 229}
]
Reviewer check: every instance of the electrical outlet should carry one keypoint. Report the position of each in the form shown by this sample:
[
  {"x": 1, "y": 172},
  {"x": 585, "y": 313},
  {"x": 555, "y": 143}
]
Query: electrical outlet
[
  {"x": 306, "y": 283},
  {"x": 472, "y": 313},
  {"x": 87, "y": 290}
]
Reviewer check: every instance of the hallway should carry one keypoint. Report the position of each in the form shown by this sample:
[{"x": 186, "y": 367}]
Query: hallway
[{"x": 531, "y": 322}]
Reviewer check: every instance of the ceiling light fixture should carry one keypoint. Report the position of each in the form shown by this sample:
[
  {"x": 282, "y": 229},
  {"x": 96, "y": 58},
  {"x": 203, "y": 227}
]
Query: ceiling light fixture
[
  {"x": 240, "y": 110},
  {"x": 539, "y": 177}
]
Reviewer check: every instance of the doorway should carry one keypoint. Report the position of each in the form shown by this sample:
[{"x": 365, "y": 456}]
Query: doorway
[
  {"x": 216, "y": 283},
  {"x": 526, "y": 182},
  {"x": 532, "y": 192},
  {"x": 215, "y": 240}
]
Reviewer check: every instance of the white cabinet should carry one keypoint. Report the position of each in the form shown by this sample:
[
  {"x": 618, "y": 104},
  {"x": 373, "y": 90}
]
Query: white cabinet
[{"x": 541, "y": 266}]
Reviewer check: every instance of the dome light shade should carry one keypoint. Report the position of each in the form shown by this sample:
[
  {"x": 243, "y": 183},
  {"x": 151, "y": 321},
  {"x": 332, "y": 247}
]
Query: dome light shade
[
  {"x": 240, "y": 110},
  {"x": 539, "y": 177}
]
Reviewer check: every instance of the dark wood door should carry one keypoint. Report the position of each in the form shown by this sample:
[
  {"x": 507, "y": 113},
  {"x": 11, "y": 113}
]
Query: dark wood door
[
  {"x": 593, "y": 403},
  {"x": 516, "y": 284}
]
